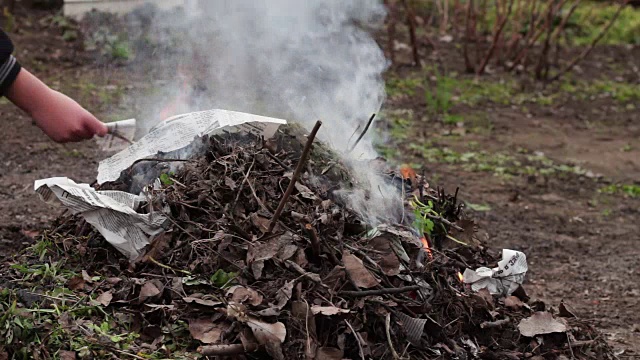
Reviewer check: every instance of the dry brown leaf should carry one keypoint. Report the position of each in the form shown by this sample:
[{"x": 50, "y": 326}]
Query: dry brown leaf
[
  {"x": 200, "y": 300},
  {"x": 358, "y": 273},
  {"x": 513, "y": 302},
  {"x": 565, "y": 312},
  {"x": 335, "y": 277},
  {"x": 265, "y": 251},
  {"x": 260, "y": 222},
  {"x": 150, "y": 289},
  {"x": 301, "y": 258},
  {"x": 105, "y": 298},
  {"x": 386, "y": 257},
  {"x": 86, "y": 277},
  {"x": 329, "y": 353},
  {"x": 230, "y": 183},
  {"x": 305, "y": 192},
  {"x": 67, "y": 355},
  {"x": 328, "y": 310},
  {"x": 76, "y": 283},
  {"x": 266, "y": 332},
  {"x": 114, "y": 280},
  {"x": 540, "y": 323},
  {"x": 205, "y": 330},
  {"x": 241, "y": 294}
]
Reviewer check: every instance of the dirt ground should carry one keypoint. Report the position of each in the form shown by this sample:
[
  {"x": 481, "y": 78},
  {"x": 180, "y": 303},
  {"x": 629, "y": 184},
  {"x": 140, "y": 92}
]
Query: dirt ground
[{"x": 582, "y": 246}]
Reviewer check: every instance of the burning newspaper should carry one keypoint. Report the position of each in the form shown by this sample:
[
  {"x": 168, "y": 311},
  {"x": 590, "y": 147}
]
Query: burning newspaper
[{"x": 114, "y": 213}]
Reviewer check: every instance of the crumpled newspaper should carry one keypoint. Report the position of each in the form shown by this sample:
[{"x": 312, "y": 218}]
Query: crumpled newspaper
[
  {"x": 179, "y": 131},
  {"x": 501, "y": 280},
  {"x": 114, "y": 213}
]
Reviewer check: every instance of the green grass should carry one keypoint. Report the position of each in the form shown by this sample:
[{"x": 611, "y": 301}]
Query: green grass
[
  {"x": 630, "y": 190},
  {"x": 591, "y": 17}
]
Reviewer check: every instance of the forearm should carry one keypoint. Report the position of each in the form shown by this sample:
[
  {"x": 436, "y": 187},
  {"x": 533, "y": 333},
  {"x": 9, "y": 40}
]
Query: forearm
[{"x": 29, "y": 93}]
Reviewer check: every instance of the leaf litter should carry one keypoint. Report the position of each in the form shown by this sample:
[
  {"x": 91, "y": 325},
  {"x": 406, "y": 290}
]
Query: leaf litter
[{"x": 321, "y": 284}]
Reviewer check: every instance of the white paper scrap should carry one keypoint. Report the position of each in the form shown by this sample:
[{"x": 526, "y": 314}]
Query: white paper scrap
[
  {"x": 503, "y": 279},
  {"x": 179, "y": 131},
  {"x": 121, "y": 134},
  {"x": 112, "y": 213}
]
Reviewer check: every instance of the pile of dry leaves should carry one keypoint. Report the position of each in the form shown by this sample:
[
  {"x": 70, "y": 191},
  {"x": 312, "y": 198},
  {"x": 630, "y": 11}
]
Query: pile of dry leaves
[{"x": 231, "y": 278}]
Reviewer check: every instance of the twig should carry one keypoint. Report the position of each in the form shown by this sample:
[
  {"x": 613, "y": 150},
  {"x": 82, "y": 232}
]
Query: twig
[
  {"x": 315, "y": 242},
  {"x": 391, "y": 29},
  {"x": 467, "y": 62},
  {"x": 411, "y": 22},
  {"x": 294, "y": 178},
  {"x": 387, "y": 326},
  {"x": 569, "y": 343},
  {"x": 311, "y": 276},
  {"x": 380, "y": 291},
  {"x": 226, "y": 350},
  {"x": 496, "y": 38},
  {"x": 117, "y": 134},
  {"x": 444, "y": 221},
  {"x": 275, "y": 158},
  {"x": 357, "y": 336},
  {"x": 494, "y": 324},
  {"x": 366, "y": 128},
  {"x": 595, "y": 41}
]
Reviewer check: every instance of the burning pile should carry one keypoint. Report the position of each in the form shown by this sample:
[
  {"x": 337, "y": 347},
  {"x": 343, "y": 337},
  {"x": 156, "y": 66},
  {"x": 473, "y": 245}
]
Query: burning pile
[{"x": 246, "y": 271}]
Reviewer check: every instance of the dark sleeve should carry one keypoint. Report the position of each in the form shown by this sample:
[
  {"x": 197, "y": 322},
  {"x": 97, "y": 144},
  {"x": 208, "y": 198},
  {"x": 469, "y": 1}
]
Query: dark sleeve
[{"x": 9, "y": 66}]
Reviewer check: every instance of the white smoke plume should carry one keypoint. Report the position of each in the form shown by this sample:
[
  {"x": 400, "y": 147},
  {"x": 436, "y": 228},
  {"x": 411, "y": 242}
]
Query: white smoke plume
[{"x": 301, "y": 60}]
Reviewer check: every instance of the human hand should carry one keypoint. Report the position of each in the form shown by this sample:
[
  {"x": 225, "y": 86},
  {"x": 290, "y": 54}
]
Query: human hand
[
  {"x": 64, "y": 120},
  {"x": 59, "y": 116}
]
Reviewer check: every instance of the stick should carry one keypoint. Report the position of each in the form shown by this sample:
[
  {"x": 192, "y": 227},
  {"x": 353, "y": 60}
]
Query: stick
[
  {"x": 294, "y": 178},
  {"x": 595, "y": 41},
  {"x": 357, "y": 336},
  {"x": 411, "y": 22},
  {"x": 380, "y": 291},
  {"x": 444, "y": 221},
  {"x": 387, "y": 327},
  {"x": 496, "y": 38},
  {"x": 467, "y": 37},
  {"x": 315, "y": 242},
  {"x": 366, "y": 128},
  {"x": 225, "y": 350},
  {"x": 494, "y": 324},
  {"x": 274, "y": 158}
]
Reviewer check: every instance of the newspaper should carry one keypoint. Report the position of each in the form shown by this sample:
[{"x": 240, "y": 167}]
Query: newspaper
[
  {"x": 112, "y": 213},
  {"x": 179, "y": 131},
  {"x": 504, "y": 279},
  {"x": 121, "y": 134}
]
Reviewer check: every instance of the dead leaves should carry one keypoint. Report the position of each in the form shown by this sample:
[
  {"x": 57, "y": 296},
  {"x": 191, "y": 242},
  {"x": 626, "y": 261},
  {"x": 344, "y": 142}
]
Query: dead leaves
[
  {"x": 328, "y": 310},
  {"x": 541, "y": 323},
  {"x": 104, "y": 299},
  {"x": 205, "y": 330},
  {"x": 150, "y": 289},
  {"x": 241, "y": 294},
  {"x": 359, "y": 274}
]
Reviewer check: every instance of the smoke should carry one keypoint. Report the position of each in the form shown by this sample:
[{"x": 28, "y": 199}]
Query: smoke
[{"x": 298, "y": 60}]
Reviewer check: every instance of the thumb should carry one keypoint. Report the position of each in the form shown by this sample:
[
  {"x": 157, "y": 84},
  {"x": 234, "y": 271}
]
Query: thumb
[{"x": 97, "y": 127}]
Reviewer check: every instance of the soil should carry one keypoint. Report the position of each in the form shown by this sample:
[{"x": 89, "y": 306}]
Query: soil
[{"x": 576, "y": 253}]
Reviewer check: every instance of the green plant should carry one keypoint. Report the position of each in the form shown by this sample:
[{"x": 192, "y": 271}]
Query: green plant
[
  {"x": 439, "y": 99},
  {"x": 630, "y": 190},
  {"x": 165, "y": 179}
]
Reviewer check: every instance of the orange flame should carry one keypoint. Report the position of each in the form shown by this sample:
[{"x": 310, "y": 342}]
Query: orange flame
[
  {"x": 174, "y": 105},
  {"x": 425, "y": 245},
  {"x": 460, "y": 277}
]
